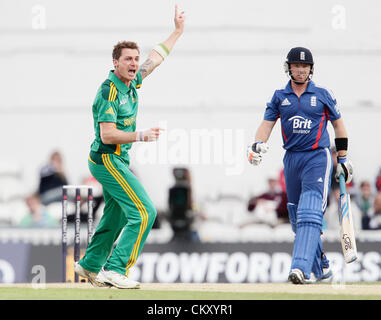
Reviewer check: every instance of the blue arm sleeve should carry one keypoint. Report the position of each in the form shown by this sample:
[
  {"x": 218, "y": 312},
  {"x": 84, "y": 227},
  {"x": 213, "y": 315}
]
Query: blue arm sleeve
[
  {"x": 272, "y": 109},
  {"x": 331, "y": 105}
]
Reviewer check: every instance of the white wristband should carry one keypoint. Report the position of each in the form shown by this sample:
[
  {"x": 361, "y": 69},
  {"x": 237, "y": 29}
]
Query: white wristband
[
  {"x": 139, "y": 136},
  {"x": 162, "y": 50}
]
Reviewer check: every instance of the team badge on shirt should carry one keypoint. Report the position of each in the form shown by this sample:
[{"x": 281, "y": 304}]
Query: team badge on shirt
[
  {"x": 132, "y": 96},
  {"x": 313, "y": 101},
  {"x": 124, "y": 101}
]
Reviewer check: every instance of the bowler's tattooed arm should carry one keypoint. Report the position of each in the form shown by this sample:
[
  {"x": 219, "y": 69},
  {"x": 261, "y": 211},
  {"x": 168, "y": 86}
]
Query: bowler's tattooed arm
[
  {"x": 147, "y": 67},
  {"x": 154, "y": 58}
]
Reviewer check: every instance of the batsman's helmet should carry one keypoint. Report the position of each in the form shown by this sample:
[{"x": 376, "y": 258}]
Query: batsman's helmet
[{"x": 299, "y": 55}]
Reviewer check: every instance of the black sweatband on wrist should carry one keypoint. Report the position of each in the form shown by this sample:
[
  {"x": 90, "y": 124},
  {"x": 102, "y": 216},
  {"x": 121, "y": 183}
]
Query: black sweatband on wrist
[
  {"x": 341, "y": 144},
  {"x": 254, "y": 146}
]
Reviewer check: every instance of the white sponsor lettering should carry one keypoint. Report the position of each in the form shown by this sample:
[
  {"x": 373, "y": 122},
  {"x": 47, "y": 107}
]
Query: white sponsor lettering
[
  {"x": 168, "y": 267},
  {"x": 371, "y": 270},
  {"x": 193, "y": 266},
  {"x": 300, "y": 124},
  {"x": 260, "y": 263},
  {"x": 238, "y": 267},
  {"x": 217, "y": 266},
  {"x": 280, "y": 266},
  {"x": 7, "y": 273}
]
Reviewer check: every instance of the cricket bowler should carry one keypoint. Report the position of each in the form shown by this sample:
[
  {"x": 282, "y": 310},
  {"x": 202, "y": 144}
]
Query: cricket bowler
[
  {"x": 128, "y": 212},
  {"x": 304, "y": 109}
]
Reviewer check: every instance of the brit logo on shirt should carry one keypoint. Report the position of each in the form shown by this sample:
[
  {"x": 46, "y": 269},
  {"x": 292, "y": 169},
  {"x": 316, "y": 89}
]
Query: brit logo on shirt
[
  {"x": 313, "y": 101},
  {"x": 301, "y": 125}
]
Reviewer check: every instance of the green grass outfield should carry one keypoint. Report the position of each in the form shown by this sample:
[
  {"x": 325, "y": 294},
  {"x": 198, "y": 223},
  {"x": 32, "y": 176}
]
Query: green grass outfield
[{"x": 203, "y": 291}]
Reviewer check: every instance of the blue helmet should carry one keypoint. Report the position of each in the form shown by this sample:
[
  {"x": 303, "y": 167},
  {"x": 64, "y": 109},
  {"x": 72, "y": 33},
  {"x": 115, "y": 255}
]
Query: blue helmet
[{"x": 299, "y": 55}]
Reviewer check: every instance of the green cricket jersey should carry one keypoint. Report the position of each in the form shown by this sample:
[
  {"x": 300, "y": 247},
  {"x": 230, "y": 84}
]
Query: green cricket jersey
[{"x": 117, "y": 103}]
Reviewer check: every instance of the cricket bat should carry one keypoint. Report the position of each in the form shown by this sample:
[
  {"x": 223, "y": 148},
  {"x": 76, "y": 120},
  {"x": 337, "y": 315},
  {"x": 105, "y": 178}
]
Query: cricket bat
[{"x": 347, "y": 235}]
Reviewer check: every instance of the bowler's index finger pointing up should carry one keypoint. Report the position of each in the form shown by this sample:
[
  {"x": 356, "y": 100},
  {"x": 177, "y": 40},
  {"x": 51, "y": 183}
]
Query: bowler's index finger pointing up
[
  {"x": 176, "y": 10},
  {"x": 177, "y": 14}
]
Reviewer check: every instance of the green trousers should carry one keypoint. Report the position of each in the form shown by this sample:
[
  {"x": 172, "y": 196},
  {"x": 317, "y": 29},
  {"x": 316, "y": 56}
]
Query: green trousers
[{"x": 128, "y": 213}]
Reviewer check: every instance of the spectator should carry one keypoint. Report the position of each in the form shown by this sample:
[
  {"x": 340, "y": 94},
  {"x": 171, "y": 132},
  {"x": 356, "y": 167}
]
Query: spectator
[
  {"x": 52, "y": 178},
  {"x": 378, "y": 182},
  {"x": 270, "y": 207},
  {"x": 365, "y": 202},
  {"x": 375, "y": 220},
  {"x": 37, "y": 217}
]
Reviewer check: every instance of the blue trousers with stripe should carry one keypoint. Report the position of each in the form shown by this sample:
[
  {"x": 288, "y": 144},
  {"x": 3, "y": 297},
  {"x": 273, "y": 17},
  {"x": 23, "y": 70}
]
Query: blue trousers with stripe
[{"x": 308, "y": 177}]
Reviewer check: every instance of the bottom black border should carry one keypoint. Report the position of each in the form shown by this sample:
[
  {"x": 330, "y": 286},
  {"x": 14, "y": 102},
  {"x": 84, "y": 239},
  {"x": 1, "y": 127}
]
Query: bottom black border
[{"x": 190, "y": 309}]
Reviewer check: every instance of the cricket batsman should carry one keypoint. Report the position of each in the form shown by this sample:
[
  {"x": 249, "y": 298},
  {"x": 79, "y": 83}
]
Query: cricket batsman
[
  {"x": 129, "y": 212},
  {"x": 304, "y": 109}
]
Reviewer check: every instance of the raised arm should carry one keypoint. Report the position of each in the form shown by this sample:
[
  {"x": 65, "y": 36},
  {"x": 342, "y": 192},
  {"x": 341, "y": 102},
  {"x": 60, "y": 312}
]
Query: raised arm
[{"x": 162, "y": 50}]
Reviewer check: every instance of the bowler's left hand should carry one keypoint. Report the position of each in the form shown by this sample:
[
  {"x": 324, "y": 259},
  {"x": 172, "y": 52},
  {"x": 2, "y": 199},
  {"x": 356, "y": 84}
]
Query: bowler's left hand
[{"x": 179, "y": 19}]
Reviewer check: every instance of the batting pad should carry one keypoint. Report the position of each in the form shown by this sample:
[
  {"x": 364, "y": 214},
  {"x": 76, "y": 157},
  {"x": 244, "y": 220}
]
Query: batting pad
[
  {"x": 292, "y": 207},
  {"x": 319, "y": 264},
  {"x": 307, "y": 239},
  {"x": 310, "y": 208}
]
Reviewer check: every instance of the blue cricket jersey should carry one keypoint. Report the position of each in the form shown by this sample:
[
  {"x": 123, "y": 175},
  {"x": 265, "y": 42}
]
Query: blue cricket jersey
[{"x": 303, "y": 120}]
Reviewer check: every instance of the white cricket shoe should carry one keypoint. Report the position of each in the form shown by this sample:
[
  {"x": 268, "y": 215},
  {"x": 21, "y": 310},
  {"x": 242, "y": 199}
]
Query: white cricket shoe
[
  {"x": 93, "y": 277},
  {"x": 296, "y": 276},
  {"x": 327, "y": 275},
  {"x": 117, "y": 280}
]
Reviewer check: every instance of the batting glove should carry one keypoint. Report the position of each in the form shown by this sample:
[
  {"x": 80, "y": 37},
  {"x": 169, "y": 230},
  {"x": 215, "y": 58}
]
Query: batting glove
[
  {"x": 254, "y": 152},
  {"x": 345, "y": 168}
]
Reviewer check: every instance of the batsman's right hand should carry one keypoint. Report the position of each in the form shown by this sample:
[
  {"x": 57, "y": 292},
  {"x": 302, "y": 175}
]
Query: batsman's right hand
[
  {"x": 254, "y": 152},
  {"x": 345, "y": 168}
]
